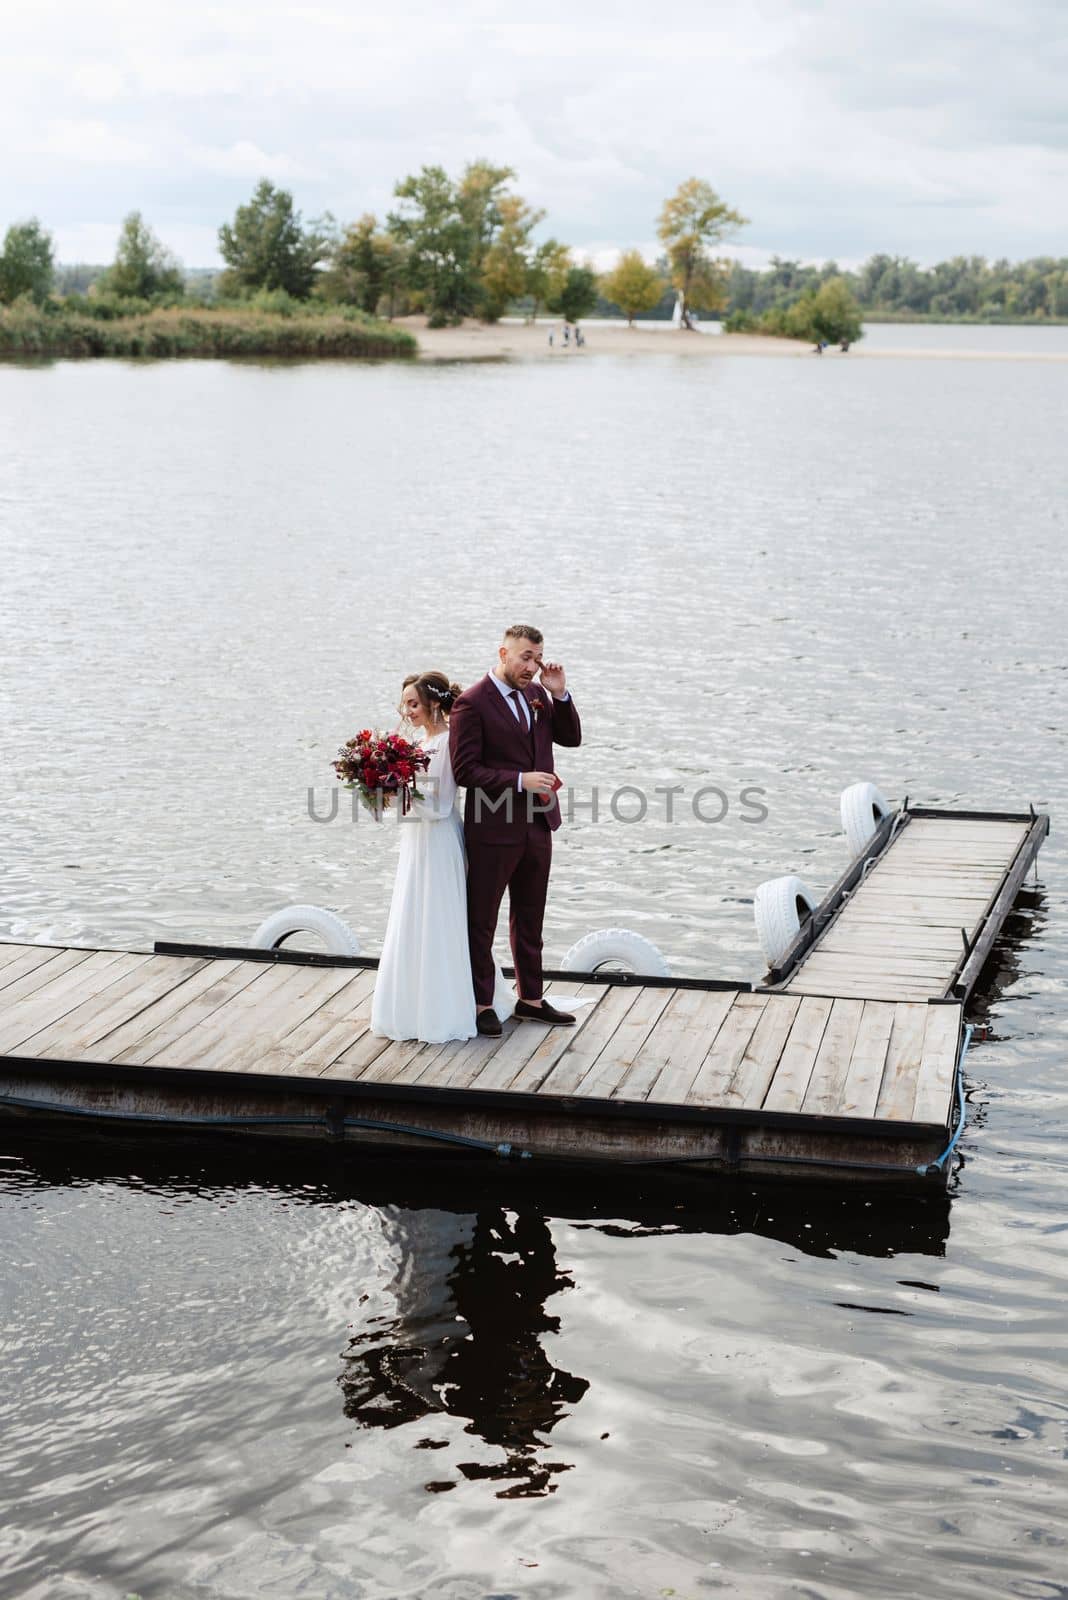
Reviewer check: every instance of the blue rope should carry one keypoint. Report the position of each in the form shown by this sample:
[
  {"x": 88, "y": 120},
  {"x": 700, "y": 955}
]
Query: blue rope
[{"x": 948, "y": 1151}]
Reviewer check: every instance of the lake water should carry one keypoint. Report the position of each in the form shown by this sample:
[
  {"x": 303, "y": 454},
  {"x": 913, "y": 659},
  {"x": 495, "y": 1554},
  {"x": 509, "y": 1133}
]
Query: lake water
[{"x": 231, "y": 1375}]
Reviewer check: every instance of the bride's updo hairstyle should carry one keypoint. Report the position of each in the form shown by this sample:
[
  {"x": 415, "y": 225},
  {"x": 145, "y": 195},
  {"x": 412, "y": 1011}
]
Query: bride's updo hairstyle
[{"x": 436, "y": 693}]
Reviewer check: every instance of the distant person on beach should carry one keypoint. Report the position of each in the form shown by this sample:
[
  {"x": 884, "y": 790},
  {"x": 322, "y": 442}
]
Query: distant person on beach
[
  {"x": 550, "y": 338},
  {"x": 580, "y": 338},
  {"x": 567, "y": 334}
]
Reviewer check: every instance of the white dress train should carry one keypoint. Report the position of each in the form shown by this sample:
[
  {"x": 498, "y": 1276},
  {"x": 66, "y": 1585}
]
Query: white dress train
[{"x": 423, "y": 989}]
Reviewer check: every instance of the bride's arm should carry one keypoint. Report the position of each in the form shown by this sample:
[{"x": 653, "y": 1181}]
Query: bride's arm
[{"x": 438, "y": 786}]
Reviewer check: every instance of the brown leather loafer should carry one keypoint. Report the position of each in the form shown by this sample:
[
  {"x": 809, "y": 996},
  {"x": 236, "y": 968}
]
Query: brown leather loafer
[
  {"x": 489, "y": 1024},
  {"x": 526, "y": 1011}
]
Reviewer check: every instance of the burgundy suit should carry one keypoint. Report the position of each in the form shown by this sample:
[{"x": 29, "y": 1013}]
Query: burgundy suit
[{"x": 508, "y": 832}]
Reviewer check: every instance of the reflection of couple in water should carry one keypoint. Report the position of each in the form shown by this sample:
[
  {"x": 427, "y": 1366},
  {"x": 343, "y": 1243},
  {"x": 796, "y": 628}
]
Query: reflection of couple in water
[{"x": 468, "y": 1343}]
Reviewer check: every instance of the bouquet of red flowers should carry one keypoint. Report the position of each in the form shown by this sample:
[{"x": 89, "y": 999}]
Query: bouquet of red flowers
[{"x": 381, "y": 766}]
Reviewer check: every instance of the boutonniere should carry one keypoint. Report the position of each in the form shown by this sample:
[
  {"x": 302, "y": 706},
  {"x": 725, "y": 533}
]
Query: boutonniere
[{"x": 536, "y": 705}]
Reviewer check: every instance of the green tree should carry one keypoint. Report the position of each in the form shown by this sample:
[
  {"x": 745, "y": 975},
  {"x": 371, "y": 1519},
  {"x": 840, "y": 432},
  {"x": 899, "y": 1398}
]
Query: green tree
[
  {"x": 505, "y": 272},
  {"x": 361, "y": 266},
  {"x": 547, "y": 270},
  {"x": 143, "y": 268},
  {"x": 835, "y": 313},
  {"x": 267, "y": 247},
  {"x": 439, "y": 243},
  {"x": 692, "y": 223},
  {"x": 632, "y": 285},
  {"x": 482, "y": 202},
  {"x": 26, "y": 263},
  {"x": 577, "y": 295}
]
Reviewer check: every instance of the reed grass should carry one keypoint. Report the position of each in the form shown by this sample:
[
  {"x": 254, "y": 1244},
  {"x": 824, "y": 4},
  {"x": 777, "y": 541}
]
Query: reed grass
[{"x": 27, "y": 330}]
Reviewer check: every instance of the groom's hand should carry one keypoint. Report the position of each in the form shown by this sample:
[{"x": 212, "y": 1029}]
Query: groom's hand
[
  {"x": 552, "y": 676},
  {"x": 538, "y": 783}
]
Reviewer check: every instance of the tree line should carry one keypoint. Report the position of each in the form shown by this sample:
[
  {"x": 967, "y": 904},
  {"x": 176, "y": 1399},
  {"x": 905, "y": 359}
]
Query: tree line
[
  {"x": 966, "y": 287},
  {"x": 452, "y": 247},
  {"x": 465, "y": 246}
]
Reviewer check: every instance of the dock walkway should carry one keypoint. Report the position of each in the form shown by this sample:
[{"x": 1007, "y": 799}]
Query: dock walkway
[{"x": 844, "y": 1062}]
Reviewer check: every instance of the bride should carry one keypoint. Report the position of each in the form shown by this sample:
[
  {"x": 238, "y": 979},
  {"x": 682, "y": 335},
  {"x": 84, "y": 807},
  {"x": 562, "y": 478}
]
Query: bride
[{"x": 423, "y": 989}]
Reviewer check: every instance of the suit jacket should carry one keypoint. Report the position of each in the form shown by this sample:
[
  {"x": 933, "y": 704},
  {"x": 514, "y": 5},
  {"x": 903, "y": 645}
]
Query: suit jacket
[{"x": 490, "y": 748}]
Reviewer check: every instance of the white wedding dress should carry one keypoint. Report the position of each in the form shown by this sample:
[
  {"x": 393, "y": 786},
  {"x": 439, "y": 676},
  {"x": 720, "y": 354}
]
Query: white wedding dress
[{"x": 423, "y": 989}]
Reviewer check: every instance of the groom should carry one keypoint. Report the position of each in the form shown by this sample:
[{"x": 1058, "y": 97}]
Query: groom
[{"x": 501, "y": 735}]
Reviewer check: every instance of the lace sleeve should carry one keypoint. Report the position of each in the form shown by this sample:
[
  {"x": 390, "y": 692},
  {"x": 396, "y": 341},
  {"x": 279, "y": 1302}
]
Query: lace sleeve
[{"x": 437, "y": 786}]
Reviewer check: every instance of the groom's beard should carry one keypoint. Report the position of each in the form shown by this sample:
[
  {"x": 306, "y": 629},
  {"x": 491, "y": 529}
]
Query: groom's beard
[{"x": 514, "y": 682}]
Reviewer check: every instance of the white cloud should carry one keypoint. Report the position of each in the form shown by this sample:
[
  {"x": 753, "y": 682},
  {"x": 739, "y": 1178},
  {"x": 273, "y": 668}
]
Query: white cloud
[
  {"x": 244, "y": 159},
  {"x": 931, "y": 128},
  {"x": 98, "y": 81},
  {"x": 93, "y": 141}
]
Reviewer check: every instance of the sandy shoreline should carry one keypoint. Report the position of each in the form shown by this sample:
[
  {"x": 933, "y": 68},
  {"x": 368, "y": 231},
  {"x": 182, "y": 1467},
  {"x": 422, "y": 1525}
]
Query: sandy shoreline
[{"x": 476, "y": 341}]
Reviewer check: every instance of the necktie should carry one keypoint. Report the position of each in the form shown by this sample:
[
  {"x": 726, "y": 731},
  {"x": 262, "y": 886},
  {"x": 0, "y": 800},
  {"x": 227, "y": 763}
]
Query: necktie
[{"x": 513, "y": 694}]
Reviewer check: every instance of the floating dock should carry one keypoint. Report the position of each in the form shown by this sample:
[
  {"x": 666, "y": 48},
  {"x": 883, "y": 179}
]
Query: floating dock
[{"x": 845, "y": 1062}]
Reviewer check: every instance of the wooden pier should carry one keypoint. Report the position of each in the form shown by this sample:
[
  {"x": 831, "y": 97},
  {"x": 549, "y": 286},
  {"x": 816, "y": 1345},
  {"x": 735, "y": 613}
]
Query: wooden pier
[{"x": 843, "y": 1063}]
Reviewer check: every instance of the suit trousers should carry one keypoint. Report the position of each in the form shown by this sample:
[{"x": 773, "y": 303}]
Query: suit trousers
[{"x": 522, "y": 867}]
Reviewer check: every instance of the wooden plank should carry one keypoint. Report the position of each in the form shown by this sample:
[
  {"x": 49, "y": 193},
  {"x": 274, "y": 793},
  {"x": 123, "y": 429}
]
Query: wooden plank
[
  {"x": 749, "y": 1083},
  {"x": 946, "y": 844},
  {"x": 960, "y": 826},
  {"x": 174, "y": 1013},
  {"x": 357, "y": 1056},
  {"x": 62, "y": 994},
  {"x": 420, "y": 1061},
  {"x": 72, "y": 1035},
  {"x": 926, "y": 889},
  {"x": 453, "y": 1063},
  {"x": 941, "y": 883},
  {"x": 902, "y": 964},
  {"x": 606, "y": 1078},
  {"x": 936, "y": 861},
  {"x": 237, "y": 1018},
  {"x": 12, "y": 951},
  {"x": 826, "y": 1084},
  {"x": 871, "y": 989},
  {"x": 1001, "y": 908},
  {"x": 243, "y": 1047},
  {"x": 516, "y": 1050},
  {"x": 934, "y": 914},
  {"x": 457, "y": 1064},
  {"x": 947, "y": 951},
  {"x": 568, "y": 1071},
  {"x": 788, "y": 1086},
  {"x": 857, "y": 978},
  {"x": 37, "y": 975},
  {"x": 398, "y": 1053},
  {"x": 309, "y": 1047},
  {"x": 897, "y": 1092},
  {"x": 860, "y": 1093},
  {"x": 16, "y": 960},
  {"x": 667, "y": 1062},
  {"x": 951, "y": 850},
  {"x": 588, "y": 1032},
  {"x": 934, "y": 1083},
  {"x": 843, "y": 937},
  {"x": 727, "y": 1050},
  {"x": 422, "y": 1068}
]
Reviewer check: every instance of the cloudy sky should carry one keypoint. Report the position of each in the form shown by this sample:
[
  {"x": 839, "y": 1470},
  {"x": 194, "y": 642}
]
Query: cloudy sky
[{"x": 838, "y": 127}]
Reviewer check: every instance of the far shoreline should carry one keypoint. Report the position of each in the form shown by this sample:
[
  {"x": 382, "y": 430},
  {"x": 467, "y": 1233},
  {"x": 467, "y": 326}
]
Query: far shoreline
[{"x": 525, "y": 341}]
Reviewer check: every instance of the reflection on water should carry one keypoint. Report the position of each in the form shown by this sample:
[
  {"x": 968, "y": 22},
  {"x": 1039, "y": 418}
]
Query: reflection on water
[{"x": 471, "y": 1342}]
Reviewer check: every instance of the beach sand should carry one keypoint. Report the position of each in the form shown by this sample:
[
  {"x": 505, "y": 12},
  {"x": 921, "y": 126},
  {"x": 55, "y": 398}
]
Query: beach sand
[
  {"x": 512, "y": 341},
  {"x": 524, "y": 341}
]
